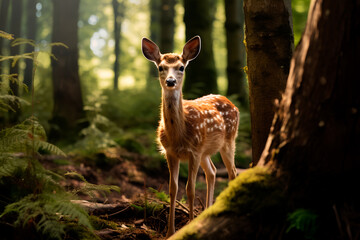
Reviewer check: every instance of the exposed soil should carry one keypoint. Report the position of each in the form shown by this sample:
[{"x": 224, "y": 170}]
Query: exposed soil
[{"x": 137, "y": 211}]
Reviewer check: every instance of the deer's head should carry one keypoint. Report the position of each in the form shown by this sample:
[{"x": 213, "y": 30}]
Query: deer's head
[{"x": 171, "y": 66}]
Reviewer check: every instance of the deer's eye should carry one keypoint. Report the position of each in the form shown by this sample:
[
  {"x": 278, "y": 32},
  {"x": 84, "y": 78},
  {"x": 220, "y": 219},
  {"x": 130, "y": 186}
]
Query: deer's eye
[
  {"x": 161, "y": 68},
  {"x": 181, "y": 69}
]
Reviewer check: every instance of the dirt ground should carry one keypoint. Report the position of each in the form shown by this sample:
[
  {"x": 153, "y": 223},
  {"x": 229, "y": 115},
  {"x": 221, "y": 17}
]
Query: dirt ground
[{"x": 138, "y": 210}]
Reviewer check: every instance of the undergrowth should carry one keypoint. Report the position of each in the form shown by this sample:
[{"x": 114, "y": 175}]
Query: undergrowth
[
  {"x": 32, "y": 201},
  {"x": 98, "y": 135}
]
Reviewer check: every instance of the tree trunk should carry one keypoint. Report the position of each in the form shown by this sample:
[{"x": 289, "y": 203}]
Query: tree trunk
[
  {"x": 269, "y": 45},
  {"x": 118, "y": 17},
  {"x": 312, "y": 150},
  {"x": 236, "y": 53},
  {"x": 155, "y": 27},
  {"x": 167, "y": 27},
  {"x": 201, "y": 76},
  {"x": 4, "y": 9},
  {"x": 68, "y": 103},
  {"x": 15, "y": 28},
  {"x": 318, "y": 119},
  {"x": 31, "y": 28}
]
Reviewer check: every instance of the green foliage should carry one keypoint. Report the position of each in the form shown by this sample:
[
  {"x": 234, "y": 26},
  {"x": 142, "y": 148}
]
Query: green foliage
[
  {"x": 151, "y": 208},
  {"x": 133, "y": 108},
  {"x": 162, "y": 196},
  {"x": 305, "y": 221},
  {"x": 99, "y": 223},
  {"x": 27, "y": 137},
  {"x": 31, "y": 197},
  {"x": 91, "y": 189},
  {"x": 6, "y": 35},
  {"x": 300, "y": 10},
  {"x": 97, "y": 135},
  {"x": 48, "y": 211},
  {"x": 131, "y": 145},
  {"x": 8, "y": 101}
]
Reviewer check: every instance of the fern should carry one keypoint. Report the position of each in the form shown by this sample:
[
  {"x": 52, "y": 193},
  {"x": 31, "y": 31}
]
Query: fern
[
  {"x": 162, "y": 196},
  {"x": 91, "y": 189},
  {"x": 303, "y": 220},
  {"x": 47, "y": 210},
  {"x": 27, "y": 137},
  {"x": 6, "y": 35},
  {"x": 31, "y": 196},
  {"x": 97, "y": 135}
]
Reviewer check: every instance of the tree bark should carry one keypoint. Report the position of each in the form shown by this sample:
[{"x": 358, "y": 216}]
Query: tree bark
[
  {"x": 236, "y": 53},
  {"x": 4, "y": 9},
  {"x": 319, "y": 114},
  {"x": 15, "y": 28},
  {"x": 118, "y": 17},
  {"x": 269, "y": 45},
  {"x": 167, "y": 27},
  {"x": 201, "y": 76},
  {"x": 31, "y": 28},
  {"x": 155, "y": 27},
  {"x": 68, "y": 103},
  {"x": 311, "y": 155}
]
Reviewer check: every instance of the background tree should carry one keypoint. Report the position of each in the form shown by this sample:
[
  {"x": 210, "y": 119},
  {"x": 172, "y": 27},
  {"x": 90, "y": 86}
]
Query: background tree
[
  {"x": 311, "y": 152},
  {"x": 236, "y": 53},
  {"x": 15, "y": 28},
  {"x": 68, "y": 103},
  {"x": 118, "y": 8},
  {"x": 155, "y": 27},
  {"x": 201, "y": 76},
  {"x": 269, "y": 46},
  {"x": 30, "y": 30},
  {"x": 4, "y": 9},
  {"x": 167, "y": 26}
]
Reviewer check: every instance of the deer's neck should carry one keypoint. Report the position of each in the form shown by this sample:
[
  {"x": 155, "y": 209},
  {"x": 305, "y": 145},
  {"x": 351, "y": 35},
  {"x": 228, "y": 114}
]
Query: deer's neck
[{"x": 173, "y": 114}]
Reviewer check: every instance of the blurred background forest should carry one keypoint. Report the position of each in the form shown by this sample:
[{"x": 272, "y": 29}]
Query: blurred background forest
[{"x": 101, "y": 90}]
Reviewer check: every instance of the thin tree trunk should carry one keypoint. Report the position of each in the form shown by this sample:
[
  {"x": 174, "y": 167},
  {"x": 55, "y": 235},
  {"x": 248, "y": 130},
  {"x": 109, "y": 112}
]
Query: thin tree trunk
[
  {"x": 4, "y": 9},
  {"x": 236, "y": 53},
  {"x": 167, "y": 27},
  {"x": 155, "y": 27},
  {"x": 15, "y": 28},
  {"x": 118, "y": 16},
  {"x": 68, "y": 103},
  {"x": 201, "y": 75},
  {"x": 269, "y": 46},
  {"x": 31, "y": 28}
]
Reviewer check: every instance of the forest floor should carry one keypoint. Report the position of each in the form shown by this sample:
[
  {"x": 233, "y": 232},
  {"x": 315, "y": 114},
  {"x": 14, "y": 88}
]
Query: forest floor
[{"x": 140, "y": 209}]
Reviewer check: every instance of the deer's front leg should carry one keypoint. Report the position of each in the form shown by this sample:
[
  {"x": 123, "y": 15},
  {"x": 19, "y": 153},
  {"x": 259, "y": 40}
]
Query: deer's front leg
[
  {"x": 194, "y": 163},
  {"x": 173, "y": 164},
  {"x": 210, "y": 174}
]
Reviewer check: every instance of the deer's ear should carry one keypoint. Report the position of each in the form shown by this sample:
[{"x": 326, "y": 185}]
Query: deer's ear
[
  {"x": 192, "y": 49},
  {"x": 150, "y": 50}
]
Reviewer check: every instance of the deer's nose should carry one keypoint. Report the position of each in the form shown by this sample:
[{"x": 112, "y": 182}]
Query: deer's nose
[{"x": 170, "y": 82}]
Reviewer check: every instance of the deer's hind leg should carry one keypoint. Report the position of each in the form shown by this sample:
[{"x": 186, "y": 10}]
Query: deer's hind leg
[{"x": 227, "y": 153}]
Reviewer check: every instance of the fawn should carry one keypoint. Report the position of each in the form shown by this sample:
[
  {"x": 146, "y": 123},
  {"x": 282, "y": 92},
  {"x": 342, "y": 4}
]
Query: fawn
[{"x": 191, "y": 130}]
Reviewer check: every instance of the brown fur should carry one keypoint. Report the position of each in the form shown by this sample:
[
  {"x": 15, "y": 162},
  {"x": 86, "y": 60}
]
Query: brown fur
[{"x": 191, "y": 130}]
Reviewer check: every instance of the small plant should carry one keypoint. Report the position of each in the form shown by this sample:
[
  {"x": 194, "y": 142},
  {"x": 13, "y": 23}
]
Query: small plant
[
  {"x": 97, "y": 135},
  {"x": 303, "y": 220},
  {"x": 162, "y": 196},
  {"x": 89, "y": 188}
]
